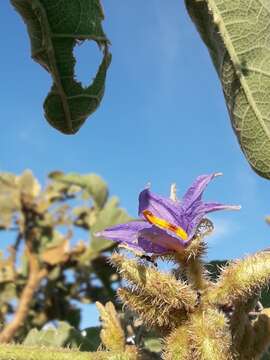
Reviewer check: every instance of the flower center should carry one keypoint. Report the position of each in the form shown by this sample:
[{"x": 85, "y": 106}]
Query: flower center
[{"x": 163, "y": 224}]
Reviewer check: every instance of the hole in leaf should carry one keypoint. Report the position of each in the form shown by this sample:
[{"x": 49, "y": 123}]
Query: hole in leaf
[{"x": 88, "y": 58}]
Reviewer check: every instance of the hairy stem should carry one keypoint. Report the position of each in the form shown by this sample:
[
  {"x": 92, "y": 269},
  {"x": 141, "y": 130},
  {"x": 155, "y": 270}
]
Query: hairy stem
[
  {"x": 241, "y": 327},
  {"x": 196, "y": 275},
  {"x": 194, "y": 270},
  {"x": 19, "y": 352},
  {"x": 261, "y": 328}
]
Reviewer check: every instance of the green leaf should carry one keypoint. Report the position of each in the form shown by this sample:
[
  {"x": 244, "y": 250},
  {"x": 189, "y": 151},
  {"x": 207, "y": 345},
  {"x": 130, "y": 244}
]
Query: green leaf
[
  {"x": 91, "y": 183},
  {"x": 237, "y": 36},
  {"x": 63, "y": 336},
  {"x": 54, "y": 28},
  {"x": 93, "y": 335},
  {"x": 110, "y": 215}
]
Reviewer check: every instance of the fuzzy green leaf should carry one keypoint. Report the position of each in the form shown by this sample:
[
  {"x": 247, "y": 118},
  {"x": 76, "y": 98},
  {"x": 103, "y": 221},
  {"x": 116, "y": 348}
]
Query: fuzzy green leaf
[
  {"x": 54, "y": 28},
  {"x": 93, "y": 184},
  {"x": 64, "y": 336},
  {"x": 236, "y": 33}
]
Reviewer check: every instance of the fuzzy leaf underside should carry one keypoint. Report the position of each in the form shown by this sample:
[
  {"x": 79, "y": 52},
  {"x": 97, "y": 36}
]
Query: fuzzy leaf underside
[
  {"x": 54, "y": 28},
  {"x": 236, "y": 33}
]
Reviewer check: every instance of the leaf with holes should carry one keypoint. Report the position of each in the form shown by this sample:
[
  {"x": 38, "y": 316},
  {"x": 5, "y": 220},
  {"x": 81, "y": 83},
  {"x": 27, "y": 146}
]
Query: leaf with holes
[
  {"x": 54, "y": 28},
  {"x": 236, "y": 33}
]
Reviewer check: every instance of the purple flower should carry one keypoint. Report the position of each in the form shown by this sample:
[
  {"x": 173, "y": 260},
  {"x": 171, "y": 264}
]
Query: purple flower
[{"x": 166, "y": 226}]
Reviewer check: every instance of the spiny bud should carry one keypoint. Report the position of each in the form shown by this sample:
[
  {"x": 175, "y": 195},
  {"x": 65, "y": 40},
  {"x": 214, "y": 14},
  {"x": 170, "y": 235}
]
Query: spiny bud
[
  {"x": 210, "y": 336},
  {"x": 177, "y": 345},
  {"x": 150, "y": 310},
  {"x": 196, "y": 249},
  {"x": 112, "y": 334},
  {"x": 242, "y": 279},
  {"x": 160, "y": 286}
]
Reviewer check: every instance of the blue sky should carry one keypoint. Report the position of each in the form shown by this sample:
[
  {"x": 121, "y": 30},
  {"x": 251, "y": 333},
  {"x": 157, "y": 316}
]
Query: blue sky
[{"x": 163, "y": 119}]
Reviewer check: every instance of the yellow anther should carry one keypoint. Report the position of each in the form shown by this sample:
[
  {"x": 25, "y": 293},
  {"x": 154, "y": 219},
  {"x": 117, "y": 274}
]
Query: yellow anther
[{"x": 163, "y": 224}]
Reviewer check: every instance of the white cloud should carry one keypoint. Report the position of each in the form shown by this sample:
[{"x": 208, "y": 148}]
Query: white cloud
[{"x": 223, "y": 229}]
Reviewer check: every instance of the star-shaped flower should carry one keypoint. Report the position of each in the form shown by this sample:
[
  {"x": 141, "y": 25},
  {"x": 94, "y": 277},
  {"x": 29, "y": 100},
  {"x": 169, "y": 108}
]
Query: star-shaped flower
[{"x": 166, "y": 226}]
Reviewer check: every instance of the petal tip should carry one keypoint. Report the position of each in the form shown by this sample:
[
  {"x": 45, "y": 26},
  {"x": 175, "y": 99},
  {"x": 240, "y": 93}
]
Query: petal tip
[
  {"x": 234, "y": 207},
  {"x": 218, "y": 174},
  {"x": 237, "y": 207},
  {"x": 148, "y": 185}
]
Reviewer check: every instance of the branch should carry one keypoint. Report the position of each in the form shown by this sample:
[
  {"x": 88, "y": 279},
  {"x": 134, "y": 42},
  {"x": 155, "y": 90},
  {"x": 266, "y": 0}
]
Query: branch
[{"x": 35, "y": 276}]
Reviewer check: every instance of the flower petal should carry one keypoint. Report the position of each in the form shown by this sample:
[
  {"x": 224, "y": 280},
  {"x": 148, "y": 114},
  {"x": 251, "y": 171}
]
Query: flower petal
[
  {"x": 201, "y": 210},
  {"x": 161, "y": 207},
  {"x": 126, "y": 234},
  {"x": 209, "y": 207},
  {"x": 161, "y": 238},
  {"x": 195, "y": 192},
  {"x": 150, "y": 247}
]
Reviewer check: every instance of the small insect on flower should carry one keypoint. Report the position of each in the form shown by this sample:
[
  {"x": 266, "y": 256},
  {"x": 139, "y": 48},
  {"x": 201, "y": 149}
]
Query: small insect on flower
[
  {"x": 149, "y": 259},
  {"x": 167, "y": 226},
  {"x": 141, "y": 255}
]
